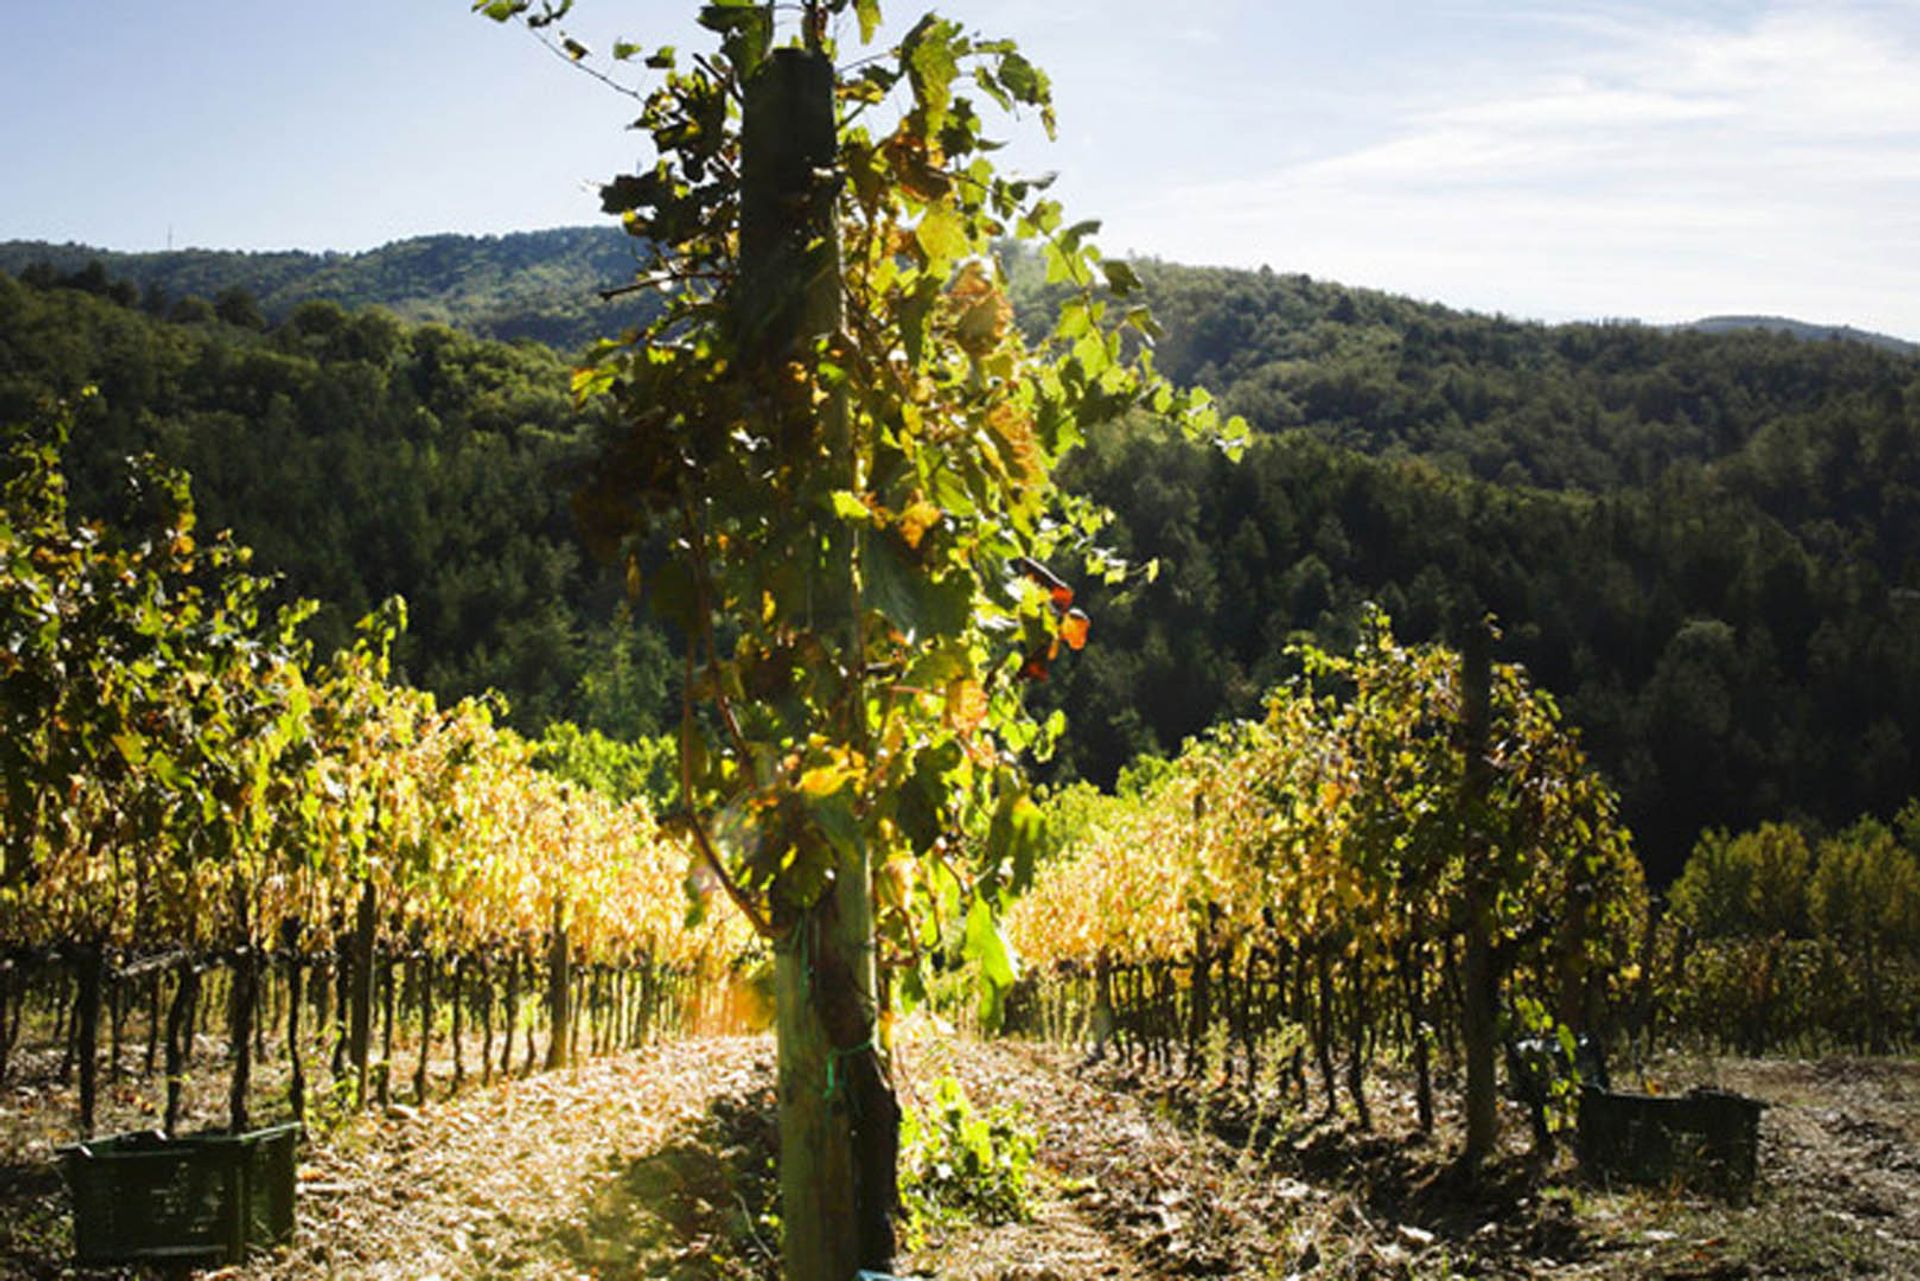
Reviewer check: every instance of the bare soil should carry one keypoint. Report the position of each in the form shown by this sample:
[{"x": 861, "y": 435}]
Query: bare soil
[
  {"x": 1195, "y": 1181},
  {"x": 658, "y": 1163}
]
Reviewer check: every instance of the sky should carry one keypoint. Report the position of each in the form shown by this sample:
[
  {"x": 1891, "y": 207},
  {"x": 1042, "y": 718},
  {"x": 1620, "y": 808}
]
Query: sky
[{"x": 1548, "y": 159}]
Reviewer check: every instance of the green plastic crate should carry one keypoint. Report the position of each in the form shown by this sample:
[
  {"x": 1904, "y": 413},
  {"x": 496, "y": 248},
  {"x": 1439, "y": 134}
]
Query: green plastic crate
[{"x": 198, "y": 1198}]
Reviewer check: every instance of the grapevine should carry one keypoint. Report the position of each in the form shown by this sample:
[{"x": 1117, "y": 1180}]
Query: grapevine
[
  {"x": 184, "y": 782},
  {"x": 1314, "y": 864}
]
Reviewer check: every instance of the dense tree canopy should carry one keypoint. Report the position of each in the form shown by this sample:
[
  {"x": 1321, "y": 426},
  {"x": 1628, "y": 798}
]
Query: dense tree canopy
[
  {"x": 1583, "y": 406},
  {"x": 542, "y": 285}
]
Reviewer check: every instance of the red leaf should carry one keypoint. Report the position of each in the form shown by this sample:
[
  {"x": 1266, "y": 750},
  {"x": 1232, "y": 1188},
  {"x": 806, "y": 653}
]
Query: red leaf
[{"x": 1074, "y": 628}]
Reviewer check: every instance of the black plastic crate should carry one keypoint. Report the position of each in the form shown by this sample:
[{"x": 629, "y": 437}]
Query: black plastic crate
[
  {"x": 1705, "y": 1139},
  {"x": 197, "y": 1198}
]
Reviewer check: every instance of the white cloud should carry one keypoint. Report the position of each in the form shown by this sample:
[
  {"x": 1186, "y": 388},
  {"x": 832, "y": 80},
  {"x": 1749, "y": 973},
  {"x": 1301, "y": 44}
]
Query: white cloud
[
  {"x": 1577, "y": 103},
  {"x": 1659, "y": 167}
]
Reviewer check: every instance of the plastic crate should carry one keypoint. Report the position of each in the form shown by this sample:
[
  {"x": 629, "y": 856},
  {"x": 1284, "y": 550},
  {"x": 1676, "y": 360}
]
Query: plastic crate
[
  {"x": 197, "y": 1198},
  {"x": 1708, "y": 1140}
]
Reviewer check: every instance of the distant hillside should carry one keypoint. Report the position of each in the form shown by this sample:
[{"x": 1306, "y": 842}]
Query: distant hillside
[
  {"x": 1803, "y": 330},
  {"x": 536, "y": 284},
  {"x": 1247, "y": 332},
  {"x": 1596, "y": 407}
]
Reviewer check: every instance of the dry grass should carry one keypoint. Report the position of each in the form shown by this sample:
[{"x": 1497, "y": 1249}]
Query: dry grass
[{"x": 658, "y": 1164}]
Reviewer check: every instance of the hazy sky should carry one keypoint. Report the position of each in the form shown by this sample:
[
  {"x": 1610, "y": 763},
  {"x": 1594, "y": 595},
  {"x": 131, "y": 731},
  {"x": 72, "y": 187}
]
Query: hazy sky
[{"x": 1545, "y": 159}]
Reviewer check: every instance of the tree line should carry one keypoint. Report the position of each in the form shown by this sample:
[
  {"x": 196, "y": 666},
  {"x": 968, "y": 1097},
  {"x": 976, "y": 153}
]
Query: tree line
[{"x": 537, "y": 285}]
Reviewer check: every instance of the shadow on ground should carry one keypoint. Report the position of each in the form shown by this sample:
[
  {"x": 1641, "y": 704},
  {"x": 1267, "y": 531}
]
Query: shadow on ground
[
  {"x": 698, "y": 1208},
  {"x": 1396, "y": 1178},
  {"x": 36, "y": 1236}
]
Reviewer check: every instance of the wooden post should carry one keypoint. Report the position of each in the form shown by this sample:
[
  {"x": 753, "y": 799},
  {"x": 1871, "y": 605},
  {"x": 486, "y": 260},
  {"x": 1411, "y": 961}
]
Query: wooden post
[
  {"x": 1357, "y": 1037},
  {"x": 153, "y": 1026},
  {"x": 649, "y": 996},
  {"x": 579, "y": 1012},
  {"x": 1103, "y": 1014},
  {"x": 424, "y": 992},
  {"x": 296, "y": 1067},
  {"x": 220, "y": 981},
  {"x": 66, "y": 1028},
  {"x": 559, "y": 989},
  {"x": 587, "y": 1002},
  {"x": 511, "y": 1013},
  {"x": 246, "y": 964},
  {"x": 1199, "y": 1009},
  {"x": 1477, "y": 1013},
  {"x": 360, "y": 1032},
  {"x": 338, "y": 1061},
  {"x": 533, "y": 1015},
  {"x": 838, "y": 1118},
  {"x": 602, "y": 1006},
  {"x": 116, "y": 1004},
  {"x": 388, "y": 997},
  {"x": 320, "y": 982},
  {"x": 186, "y": 994},
  {"x": 458, "y": 980},
  {"x": 617, "y": 1014},
  {"x": 89, "y": 964},
  {"x": 1297, "y": 1010}
]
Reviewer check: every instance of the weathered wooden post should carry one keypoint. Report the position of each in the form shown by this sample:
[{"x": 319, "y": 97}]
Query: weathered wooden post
[
  {"x": 559, "y": 989},
  {"x": 245, "y": 975},
  {"x": 290, "y": 940},
  {"x": 838, "y": 1117},
  {"x": 360, "y": 1026},
  {"x": 89, "y": 962},
  {"x": 180, "y": 1012},
  {"x": 1477, "y": 1012}
]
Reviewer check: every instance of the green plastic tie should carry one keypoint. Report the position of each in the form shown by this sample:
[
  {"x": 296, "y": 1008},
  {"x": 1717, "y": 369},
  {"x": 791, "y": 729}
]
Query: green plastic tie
[{"x": 833, "y": 1058}]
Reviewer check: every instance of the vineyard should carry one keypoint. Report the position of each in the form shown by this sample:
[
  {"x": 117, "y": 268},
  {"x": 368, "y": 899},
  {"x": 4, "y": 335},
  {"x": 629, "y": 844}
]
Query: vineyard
[
  {"x": 1307, "y": 883},
  {"x": 202, "y": 821},
  {"x": 1300, "y": 889},
  {"x": 1318, "y": 995},
  {"x": 363, "y": 900}
]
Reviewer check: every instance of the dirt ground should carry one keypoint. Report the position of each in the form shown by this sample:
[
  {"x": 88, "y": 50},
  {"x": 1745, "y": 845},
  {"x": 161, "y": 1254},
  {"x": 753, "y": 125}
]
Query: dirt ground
[
  {"x": 1193, "y": 1183},
  {"x": 658, "y": 1163}
]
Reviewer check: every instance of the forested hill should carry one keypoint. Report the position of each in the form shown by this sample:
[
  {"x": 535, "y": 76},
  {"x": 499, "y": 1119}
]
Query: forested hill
[
  {"x": 537, "y": 284},
  {"x": 1707, "y": 545},
  {"x": 1589, "y": 406},
  {"x": 1737, "y": 643},
  {"x": 1801, "y": 329},
  {"x": 1386, "y": 371},
  {"x": 360, "y": 458}
]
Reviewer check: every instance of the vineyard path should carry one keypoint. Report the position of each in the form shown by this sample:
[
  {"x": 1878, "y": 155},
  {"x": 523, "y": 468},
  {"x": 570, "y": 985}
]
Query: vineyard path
[{"x": 658, "y": 1163}]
